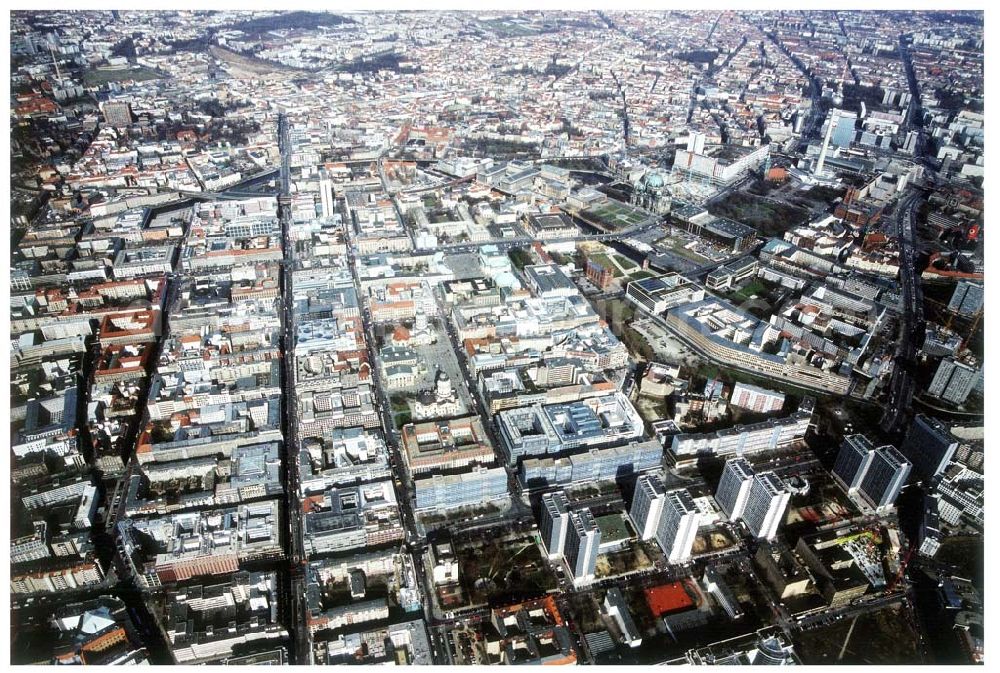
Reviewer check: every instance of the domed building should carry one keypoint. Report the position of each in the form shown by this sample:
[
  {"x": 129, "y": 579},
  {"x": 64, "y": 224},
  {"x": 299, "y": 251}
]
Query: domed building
[
  {"x": 652, "y": 180},
  {"x": 442, "y": 385},
  {"x": 838, "y": 96},
  {"x": 438, "y": 402},
  {"x": 420, "y": 335},
  {"x": 650, "y": 193}
]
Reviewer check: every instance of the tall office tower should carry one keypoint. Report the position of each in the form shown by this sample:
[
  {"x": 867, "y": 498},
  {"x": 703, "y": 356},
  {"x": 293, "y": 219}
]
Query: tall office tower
[
  {"x": 734, "y": 487},
  {"x": 853, "y": 460},
  {"x": 953, "y": 381},
  {"x": 844, "y": 128},
  {"x": 929, "y": 446},
  {"x": 765, "y": 509},
  {"x": 326, "y": 195},
  {"x": 583, "y": 537},
  {"x": 885, "y": 477},
  {"x": 678, "y": 525},
  {"x": 696, "y": 143},
  {"x": 647, "y": 505},
  {"x": 555, "y": 521},
  {"x": 967, "y": 299}
]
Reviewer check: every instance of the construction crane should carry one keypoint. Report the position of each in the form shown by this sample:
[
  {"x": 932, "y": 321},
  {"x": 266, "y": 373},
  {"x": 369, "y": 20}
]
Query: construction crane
[
  {"x": 972, "y": 329},
  {"x": 952, "y": 315},
  {"x": 902, "y": 568}
]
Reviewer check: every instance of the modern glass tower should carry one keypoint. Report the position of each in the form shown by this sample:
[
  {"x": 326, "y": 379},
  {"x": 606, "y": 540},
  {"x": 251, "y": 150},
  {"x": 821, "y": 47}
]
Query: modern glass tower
[
  {"x": 885, "y": 477},
  {"x": 853, "y": 460}
]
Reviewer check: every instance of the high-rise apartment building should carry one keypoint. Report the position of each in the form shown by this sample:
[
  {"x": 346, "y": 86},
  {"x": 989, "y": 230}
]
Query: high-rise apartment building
[
  {"x": 647, "y": 505},
  {"x": 326, "y": 196},
  {"x": 678, "y": 525},
  {"x": 554, "y": 522},
  {"x": 967, "y": 299},
  {"x": 953, "y": 381},
  {"x": 877, "y": 474},
  {"x": 766, "y": 504},
  {"x": 734, "y": 487},
  {"x": 583, "y": 537}
]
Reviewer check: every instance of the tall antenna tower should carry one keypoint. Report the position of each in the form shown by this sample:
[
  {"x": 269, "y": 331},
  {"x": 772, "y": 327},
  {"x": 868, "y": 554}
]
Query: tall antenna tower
[{"x": 55, "y": 63}]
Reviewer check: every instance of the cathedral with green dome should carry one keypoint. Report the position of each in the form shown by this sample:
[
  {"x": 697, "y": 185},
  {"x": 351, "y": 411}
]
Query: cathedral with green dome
[{"x": 650, "y": 193}]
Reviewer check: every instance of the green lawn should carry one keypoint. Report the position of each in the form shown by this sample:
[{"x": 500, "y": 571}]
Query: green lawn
[
  {"x": 94, "y": 77},
  {"x": 636, "y": 344},
  {"x": 506, "y": 28},
  {"x": 626, "y": 264},
  {"x": 822, "y": 194},
  {"x": 882, "y": 637},
  {"x": 504, "y": 571},
  {"x": 618, "y": 313},
  {"x": 616, "y": 214},
  {"x": 677, "y": 247},
  {"x": 520, "y": 258},
  {"x": 770, "y": 218},
  {"x": 754, "y": 288},
  {"x": 606, "y": 263}
]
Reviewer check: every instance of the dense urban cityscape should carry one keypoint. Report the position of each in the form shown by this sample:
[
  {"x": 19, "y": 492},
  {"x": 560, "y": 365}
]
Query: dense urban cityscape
[{"x": 493, "y": 337}]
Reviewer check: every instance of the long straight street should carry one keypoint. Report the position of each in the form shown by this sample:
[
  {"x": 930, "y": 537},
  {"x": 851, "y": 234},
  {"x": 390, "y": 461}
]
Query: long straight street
[
  {"x": 294, "y": 587},
  {"x": 912, "y": 323}
]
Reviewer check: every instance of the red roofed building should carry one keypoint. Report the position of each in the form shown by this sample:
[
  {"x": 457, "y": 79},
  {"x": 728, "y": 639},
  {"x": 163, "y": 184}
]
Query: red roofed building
[
  {"x": 874, "y": 241},
  {"x": 666, "y": 599},
  {"x": 34, "y": 105},
  {"x": 544, "y": 256},
  {"x": 130, "y": 328},
  {"x": 121, "y": 363},
  {"x": 105, "y": 640},
  {"x": 777, "y": 174},
  {"x": 401, "y": 336}
]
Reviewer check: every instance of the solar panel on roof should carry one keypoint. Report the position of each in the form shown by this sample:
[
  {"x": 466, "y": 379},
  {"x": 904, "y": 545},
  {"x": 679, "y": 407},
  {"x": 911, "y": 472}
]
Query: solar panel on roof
[{"x": 651, "y": 284}]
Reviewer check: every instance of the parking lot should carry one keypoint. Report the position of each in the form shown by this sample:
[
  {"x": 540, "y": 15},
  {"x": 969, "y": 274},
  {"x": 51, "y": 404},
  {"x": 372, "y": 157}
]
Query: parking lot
[{"x": 666, "y": 347}]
